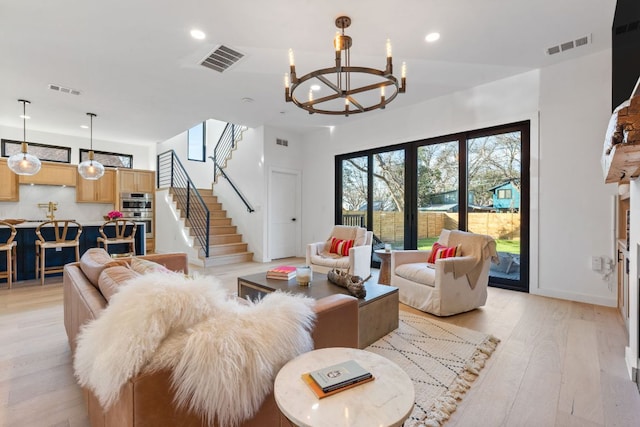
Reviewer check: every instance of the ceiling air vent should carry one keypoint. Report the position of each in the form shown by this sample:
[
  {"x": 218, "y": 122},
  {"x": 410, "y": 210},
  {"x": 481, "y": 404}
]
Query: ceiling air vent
[
  {"x": 222, "y": 58},
  {"x": 563, "y": 47},
  {"x": 282, "y": 142},
  {"x": 63, "y": 89}
]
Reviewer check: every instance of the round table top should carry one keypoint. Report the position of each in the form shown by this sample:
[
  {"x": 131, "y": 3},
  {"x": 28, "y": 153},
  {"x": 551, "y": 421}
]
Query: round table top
[
  {"x": 382, "y": 252},
  {"x": 385, "y": 401}
]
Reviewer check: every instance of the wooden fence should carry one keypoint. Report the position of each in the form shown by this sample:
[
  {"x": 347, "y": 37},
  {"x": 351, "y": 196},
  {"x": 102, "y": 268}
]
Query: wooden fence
[{"x": 389, "y": 226}]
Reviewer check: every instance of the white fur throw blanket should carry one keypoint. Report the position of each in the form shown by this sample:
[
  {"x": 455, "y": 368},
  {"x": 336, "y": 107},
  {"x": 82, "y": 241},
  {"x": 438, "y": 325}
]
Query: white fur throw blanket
[{"x": 224, "y": 355}]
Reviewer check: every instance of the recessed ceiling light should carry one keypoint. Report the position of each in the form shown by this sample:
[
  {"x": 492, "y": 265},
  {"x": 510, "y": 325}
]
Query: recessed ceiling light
[
  {"x": 315, "y": 87},
  {"x": 84, "y": 126},
  {"x": 431, "y": 37},
  {"x": 22, "y": 116},
  {"x": 197, "y": 34}
]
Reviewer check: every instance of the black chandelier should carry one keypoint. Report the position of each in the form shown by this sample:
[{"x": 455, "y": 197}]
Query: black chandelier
[{"x": 366, "y": 80}]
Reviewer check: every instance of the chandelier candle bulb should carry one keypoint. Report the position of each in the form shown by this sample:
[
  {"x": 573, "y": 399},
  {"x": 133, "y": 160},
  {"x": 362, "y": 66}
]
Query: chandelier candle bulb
[
  {"x": 291, "y": 62},
  {"x": 388, "y": 48},
  {"x": 286, "y": 80}
]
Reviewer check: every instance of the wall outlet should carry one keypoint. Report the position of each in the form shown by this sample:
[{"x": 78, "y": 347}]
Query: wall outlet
[{"x": 596, "y": 263}]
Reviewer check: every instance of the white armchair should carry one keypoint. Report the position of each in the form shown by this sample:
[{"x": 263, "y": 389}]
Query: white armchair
[
  {"x": 451, "y": 285},
  {"x": 358, "y": 262}
]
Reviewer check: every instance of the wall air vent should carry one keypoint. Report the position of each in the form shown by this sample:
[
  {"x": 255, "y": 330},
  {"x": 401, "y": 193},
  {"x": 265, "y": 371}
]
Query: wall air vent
[
  {"x": 282, "y": 142},
  {"x": 222, "y": 58},
  {"x": 63, "y": 89},
  {"x": 563, "y": 47}
]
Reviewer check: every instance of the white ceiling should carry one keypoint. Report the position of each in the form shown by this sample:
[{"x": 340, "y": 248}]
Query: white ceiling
[{"x": 138, "y": 68}]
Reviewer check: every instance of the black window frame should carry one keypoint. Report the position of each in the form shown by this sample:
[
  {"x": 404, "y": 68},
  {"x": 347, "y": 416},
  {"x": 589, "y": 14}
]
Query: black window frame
[
  {"x": 203, "y": 146},
  {"x": 104, "y": 156},
  {"x": 5, "y": 153}
]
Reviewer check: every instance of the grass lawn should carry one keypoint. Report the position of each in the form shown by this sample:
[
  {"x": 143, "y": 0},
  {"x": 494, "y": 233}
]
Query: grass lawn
[{"x": 511, "y": 246}]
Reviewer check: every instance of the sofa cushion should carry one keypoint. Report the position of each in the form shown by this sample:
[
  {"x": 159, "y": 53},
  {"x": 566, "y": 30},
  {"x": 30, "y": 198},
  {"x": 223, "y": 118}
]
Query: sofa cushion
[
  {"x": 418, "y": 272},
  {"x": 143, "y": 266},
  {"x": 340, "y": 247},
  {"x": 112, "y": 278},
  {"x": 94, "y": 261}
]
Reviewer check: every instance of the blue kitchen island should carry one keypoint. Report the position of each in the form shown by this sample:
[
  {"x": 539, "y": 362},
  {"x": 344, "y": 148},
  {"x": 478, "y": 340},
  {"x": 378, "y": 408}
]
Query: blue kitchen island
[{"x": 26, "y": 249}]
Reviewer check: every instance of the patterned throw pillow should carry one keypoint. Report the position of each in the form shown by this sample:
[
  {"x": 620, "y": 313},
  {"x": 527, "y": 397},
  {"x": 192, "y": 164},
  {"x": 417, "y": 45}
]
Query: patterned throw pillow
[
  {"x": 440, "y": 251},
  {"x": 340, "y": 247}
]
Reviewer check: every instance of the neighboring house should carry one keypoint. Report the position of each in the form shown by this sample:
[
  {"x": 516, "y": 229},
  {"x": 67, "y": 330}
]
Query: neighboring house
[
  {"x": 447, "y": 201},
  {"x": 506, "y": 197}
]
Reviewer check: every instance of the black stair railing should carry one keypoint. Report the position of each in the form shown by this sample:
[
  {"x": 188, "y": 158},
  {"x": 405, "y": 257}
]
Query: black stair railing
[
  {"x": 172, "y": 174},
  {"x": 222, "y": 152}
]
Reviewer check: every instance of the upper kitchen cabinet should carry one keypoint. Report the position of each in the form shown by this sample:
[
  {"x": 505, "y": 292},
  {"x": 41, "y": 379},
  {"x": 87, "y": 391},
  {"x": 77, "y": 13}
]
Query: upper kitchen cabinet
[
  {"x": 52, "y": 173},
  {"x": 102, "y": 190},
  {"x": 9, "y": 186},
  {"x": 136, "y": 181}
]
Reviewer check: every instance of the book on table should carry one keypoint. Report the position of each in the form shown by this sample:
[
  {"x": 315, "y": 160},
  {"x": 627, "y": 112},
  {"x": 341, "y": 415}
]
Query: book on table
[
  {"x": 283, "y": 272},
  {"x": 337, "y": 377}
]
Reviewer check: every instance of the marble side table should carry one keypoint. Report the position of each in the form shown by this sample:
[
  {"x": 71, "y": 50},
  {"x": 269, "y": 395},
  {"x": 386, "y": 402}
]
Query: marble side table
[{"x": 385, "y": 401}]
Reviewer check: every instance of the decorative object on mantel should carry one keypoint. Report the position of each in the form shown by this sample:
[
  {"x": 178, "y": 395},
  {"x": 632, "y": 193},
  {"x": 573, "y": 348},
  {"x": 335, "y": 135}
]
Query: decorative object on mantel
[
  {"x": 354, "y": 284},
  {"x": 91, "y": 169},
  {"x": 113, "y": 215},
  {"x": 366, "y": 81},
  {"x": 621, "y": 151},
  {"x": 24, "y": 163}
]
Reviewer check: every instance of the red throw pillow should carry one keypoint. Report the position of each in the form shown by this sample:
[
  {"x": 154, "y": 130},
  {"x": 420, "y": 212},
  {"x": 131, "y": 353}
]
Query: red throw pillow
[
  {"x": 440, "y": 251},
  {"x": 340, "y": 247}
]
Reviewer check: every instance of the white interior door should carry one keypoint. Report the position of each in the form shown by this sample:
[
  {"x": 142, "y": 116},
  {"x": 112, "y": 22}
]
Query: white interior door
[{"x": 284, "y": 222}]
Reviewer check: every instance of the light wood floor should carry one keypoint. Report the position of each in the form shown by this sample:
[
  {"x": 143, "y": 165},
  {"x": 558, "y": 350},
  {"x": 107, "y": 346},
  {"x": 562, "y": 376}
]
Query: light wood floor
[{"x": 559, "y": 363}]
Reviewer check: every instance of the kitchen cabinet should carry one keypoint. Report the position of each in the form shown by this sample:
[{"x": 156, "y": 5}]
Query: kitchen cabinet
[
  {"x": 101, "y": 191},
  {"x": 136, "y": 181},
  {"x": 9, "y": 188},
  {"x": 52, "y": 173}
]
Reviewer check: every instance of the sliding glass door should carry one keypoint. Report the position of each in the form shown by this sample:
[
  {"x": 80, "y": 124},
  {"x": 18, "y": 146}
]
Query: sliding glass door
[{"x": 476, "y": 181}]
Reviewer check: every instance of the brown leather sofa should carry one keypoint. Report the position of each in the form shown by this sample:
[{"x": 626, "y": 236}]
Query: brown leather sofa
[{"x": 147, "y": 399}]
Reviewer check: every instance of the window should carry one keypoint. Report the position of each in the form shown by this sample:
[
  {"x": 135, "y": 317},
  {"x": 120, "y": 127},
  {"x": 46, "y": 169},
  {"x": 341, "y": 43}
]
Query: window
[
  {"x": 50, "y": 153},
  {"x": 504, "y": 194},
  {"x": 476, "y": 181},
  {"x": 197, "y": 142},
  {"x": 114, "y": 160}
]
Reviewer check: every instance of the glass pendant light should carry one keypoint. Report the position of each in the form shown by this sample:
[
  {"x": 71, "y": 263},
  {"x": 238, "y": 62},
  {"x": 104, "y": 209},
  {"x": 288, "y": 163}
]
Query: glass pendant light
[
  {"x": 23, "y": 163},
  {"x": 91, "y": 169}
]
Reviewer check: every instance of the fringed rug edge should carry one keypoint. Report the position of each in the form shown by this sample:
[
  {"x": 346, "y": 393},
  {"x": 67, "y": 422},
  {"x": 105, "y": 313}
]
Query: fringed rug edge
[{"x": 447, "y": 404}]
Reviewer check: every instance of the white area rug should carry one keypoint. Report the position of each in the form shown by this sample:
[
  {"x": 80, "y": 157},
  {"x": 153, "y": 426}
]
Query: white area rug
[{"x": 443, "y": 360}]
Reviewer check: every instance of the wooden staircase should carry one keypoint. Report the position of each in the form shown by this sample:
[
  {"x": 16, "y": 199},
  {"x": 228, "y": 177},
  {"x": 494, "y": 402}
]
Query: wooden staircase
[{"x": 225, "y": 244}]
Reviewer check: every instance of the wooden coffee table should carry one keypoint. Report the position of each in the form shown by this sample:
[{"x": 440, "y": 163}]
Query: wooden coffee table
[{"x": 377, "y": 313}]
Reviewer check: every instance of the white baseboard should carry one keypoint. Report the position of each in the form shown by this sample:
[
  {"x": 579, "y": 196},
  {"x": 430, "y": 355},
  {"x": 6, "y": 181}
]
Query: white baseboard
[{"x": 572, "y": 296}]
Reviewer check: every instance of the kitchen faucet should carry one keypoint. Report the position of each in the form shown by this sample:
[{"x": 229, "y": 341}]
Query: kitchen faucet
[{"x": 51, "y": 208}]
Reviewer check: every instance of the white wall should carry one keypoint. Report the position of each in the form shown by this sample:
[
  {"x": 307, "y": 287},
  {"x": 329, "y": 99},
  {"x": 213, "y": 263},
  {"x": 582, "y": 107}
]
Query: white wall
[
  {"x": 143, "y": 155},
  {"x": 201, "y": 173},
  {"x": 246, "y": 168},
  {"x": 575, "y": 204},
  {"x": 631, "y": 353},
  {"x": 570, "y": 204}
]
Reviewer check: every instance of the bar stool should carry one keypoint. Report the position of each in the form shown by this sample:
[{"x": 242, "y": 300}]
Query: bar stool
[
  {"x": 125, "y": 232},
  {"x": 9, "y": 246},
  {"x": 59, "y": 238}
]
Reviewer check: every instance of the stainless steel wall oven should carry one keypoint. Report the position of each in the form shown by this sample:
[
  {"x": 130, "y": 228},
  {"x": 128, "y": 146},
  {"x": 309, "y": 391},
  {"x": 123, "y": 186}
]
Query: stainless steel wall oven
[{"x": 138, "y": 207}]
